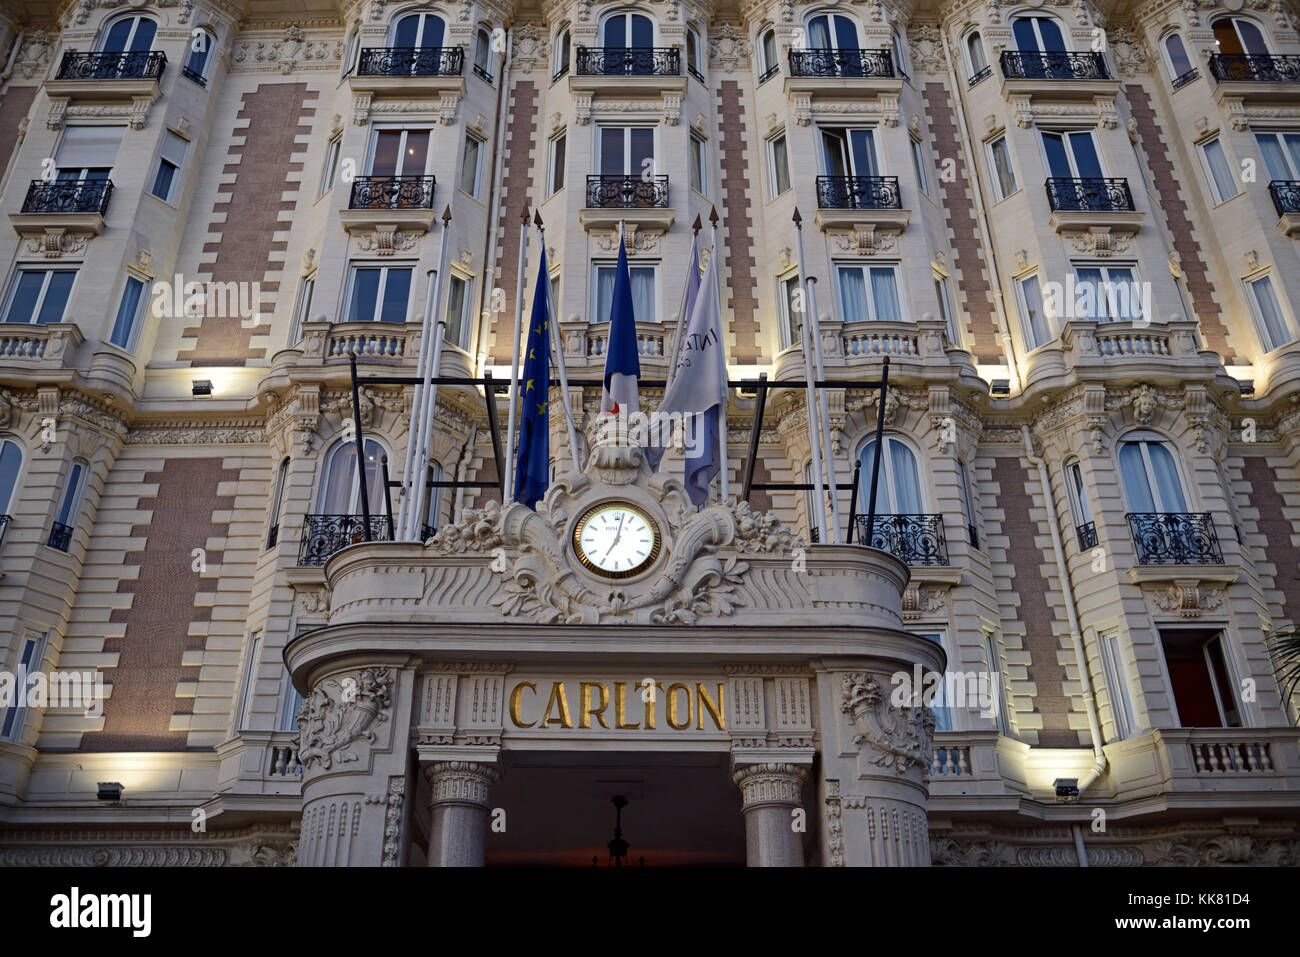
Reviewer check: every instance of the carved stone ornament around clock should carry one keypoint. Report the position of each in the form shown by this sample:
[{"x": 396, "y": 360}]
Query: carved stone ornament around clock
[
  {"x": 341, "y": 711},
  {"x": 899, "y": 736}
]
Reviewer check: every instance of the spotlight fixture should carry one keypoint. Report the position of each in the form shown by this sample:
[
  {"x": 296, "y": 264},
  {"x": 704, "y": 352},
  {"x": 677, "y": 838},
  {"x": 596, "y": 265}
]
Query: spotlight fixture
[
  {"x": 109, "y": 791},
  {"x": 1246, "y": 386},
  {"x": 202, "y": 387},
  {"x": 1066, "y": 788},
  {"x": 1001, "y": 387}
]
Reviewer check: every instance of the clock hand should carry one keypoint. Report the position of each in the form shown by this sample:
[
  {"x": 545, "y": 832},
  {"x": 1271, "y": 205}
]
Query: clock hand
[{"x": 617, "y": 534}]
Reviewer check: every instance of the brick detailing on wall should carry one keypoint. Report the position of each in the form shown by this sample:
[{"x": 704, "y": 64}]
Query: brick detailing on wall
[
  {"x": 737, "y": 185},
  {"x": 976, "y": 293},
  {"x": 17, "y": 101},
  {"x": 760, "y": 500},
  {"x": 486, "y": 471},
  {"x": 516, "y": 178},
  {"x": 1035, "y": 613},
  {"x": 1277, "y": 531},
  {"x": 276, "y": 114},
  {"x": 138, "y": 712},
  {"x": 1208, "y": 312}
]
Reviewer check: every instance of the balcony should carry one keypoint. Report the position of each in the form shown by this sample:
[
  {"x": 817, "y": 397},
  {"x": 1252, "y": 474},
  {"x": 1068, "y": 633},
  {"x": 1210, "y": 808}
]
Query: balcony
[
  {"x": 1255, "y": 68},
  {"x": 411, "y": 61},
  {"x": 1129, "y": 348},
  {"x": 73, "y": 204},
  {"x": 37, "y": 347},
  {"x": 60, "y": 536},
  {"x": 323, "y": 535},
  {"x": 1085, "y": 203},
  {"x": 388, "y": 204},
  {"x": 1235, "y": 764},
  {"x": 4, "y": 523},
  {"x": 1175, "y": 538},
  {"x": 1285, "y": 194},
  {"x": 817, "y": 75},
  {"x": 408, "y": 72},
  {"x": 194, "y": 76},
  {"x": 1087, "y": 534},
  {"x": 628, "y": 61},
  {"x": 1033, "y": 65},
  {"x": 639, "y": 200},
  {"x": 915, "y": 540},
  {"x": 112, "y": 66},
  {"x": 841, "y": 64},
  {"x": 858, "y": 192}
]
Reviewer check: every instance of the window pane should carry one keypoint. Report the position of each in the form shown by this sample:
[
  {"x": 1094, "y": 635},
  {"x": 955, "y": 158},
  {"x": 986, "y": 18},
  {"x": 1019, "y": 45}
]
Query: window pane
[
  {"x": 1037, "y": 330},
  {"x": 853, "y": 295},
  {"x": 1273, "y": 326},
  {"x": 89, "y": 147},
  {"x": 71, "y": 494},
  {"x": 27, "y": 291},
  {"x": 10, "y": 461},
  {"x": 918, "y": 159},
  {"x": 162, "y": 183},
  {"x": 1177, "y": 55},
  {"x": 365, "y": 291},
  {"x": 884, "y": 294},
  {"x": 604, "y": 293},
  {"x": 1225, "y": 183},
  {"x": 696, "y": 165},
  {"x": 469, "y": 167},
  {"x": 976, "y": 48},
  {"x": 1136, "y": 485},
  {"x": 793, "y": 315},
  {"x": 1002, "y": 168},
  {"x": 780, "y": 165},
  {"x": 557, "y": 163},
  {"x": 1089, "y": 295},
  {"x": 1168, "y": 489},
  {"x": 455, "y": 310},
  {"x": 56, "y": 296},
  {"x": 906, "y": 498},
  {"x": 127, "y": 311},
  {"x": 643, "y": 294},
  {"x": 397, "y": 289}
]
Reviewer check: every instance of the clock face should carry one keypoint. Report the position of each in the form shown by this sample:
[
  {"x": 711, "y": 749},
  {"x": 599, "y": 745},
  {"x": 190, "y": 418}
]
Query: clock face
[{"x": 616, "y": 540}]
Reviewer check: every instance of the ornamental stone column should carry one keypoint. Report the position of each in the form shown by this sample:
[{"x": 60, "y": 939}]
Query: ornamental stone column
[
  {"x": 772, "y": 793},
  {"x": 460, "y": 800}
]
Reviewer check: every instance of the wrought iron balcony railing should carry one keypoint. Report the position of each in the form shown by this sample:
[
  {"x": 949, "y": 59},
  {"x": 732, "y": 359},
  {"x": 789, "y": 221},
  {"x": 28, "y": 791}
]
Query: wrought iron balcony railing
[
  {"x": 1256, "y": 67},
  {"x": 770, "y": 72},
  {"x": 112, "y": 66},
  {"x": 482, "y": 74},
  {"x": 858, "y": 192},
  {"x": 1175, "y": 538},
  {"x": 1286, "y": 195},
  {"x": 981, "y": 75},
  {"x": 68, "y": 196},
  {"x": 194, "y": 76},
  {"x": 826, "y": 62},
  {"x": 411, "y": 61},
  {"x": 1087, "y": 533},
  {"x": 4, "y": 523},
  {"x": 628, "y": 61},
  {"x": 1033, "y": 65},
  {"x": 323, "y": 535},
  {"x": 912, "y": 539},
  {"x": 1183, "y": 79},
  {"x": 1090, "y": 195},
  {"x": 273, "y": 536},
  {"x": 392, "y": 192},
  {"x": 626, "y": 192},
  {"x": 60, "y": 536},
  {"x": 427, "y": 532}
]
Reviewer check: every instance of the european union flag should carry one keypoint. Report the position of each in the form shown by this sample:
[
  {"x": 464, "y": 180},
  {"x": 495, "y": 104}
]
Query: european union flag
[{"x": 533, "y": 461}]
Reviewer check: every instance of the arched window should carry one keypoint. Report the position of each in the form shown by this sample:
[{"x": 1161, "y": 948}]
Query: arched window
[
  {"x": 1150, "y": 473},
  {"x": 562, "y": 42},
  {"x": 11, "y": 462},
  {"x": 277, "y": 502},
  {"x": 832, "y": 31},
  {"x": 694, "y": 54},
  {"x": 129, "y": 34},
  {"x": 1038, "y": 35},
  {"x": 898, "y": 490},
  {"x": 901, "y": 61},
  {"x": 353, "y": 49},
  {"x": 1180, "y": 64},
  {"x": 977, "y": 60},
  {"x": 483, "y": 54},
  {"x": 199, "y": 57},
  {"x": 769, "y": 61},
  {"x": 1084, "y": 528},
  {"x": 340, "y": 492},
  {"x": 627, "y": 43},
  {"x": 65, "y": 521},
  {"x": 418, "y": 31},
  {"x": 1236, "y": 36}
]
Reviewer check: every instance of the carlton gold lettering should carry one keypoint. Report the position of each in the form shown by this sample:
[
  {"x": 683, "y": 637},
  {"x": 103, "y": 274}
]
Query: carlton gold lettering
[
  {"x": 587, "y": 710},
  {"x": 516, "y": 709},
  {"x": 673, "y": 714},
  {"x": 707, "y": 703},
  {"x": 557, "y": 695},
  {"x": 650, "y": 708},
  {"x": 620, "y": 708}
]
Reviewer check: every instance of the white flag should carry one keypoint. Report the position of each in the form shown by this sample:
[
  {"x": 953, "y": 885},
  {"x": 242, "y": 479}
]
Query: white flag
[{"x": 700, "y": 381}]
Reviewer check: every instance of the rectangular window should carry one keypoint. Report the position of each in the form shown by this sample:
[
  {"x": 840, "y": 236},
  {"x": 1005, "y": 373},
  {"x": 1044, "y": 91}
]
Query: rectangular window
[
  {"x": 1275, "y": 327},
  {"x": 1121, "y": 706},
  {"x": 378, "y": 294},
  {"x": 555, "y": 178},
  {"x": 469, "y": 165},
  {"x": 967, "y": 504},
  {"x": 918, "y": 161},
  {"x": 869, "y": 293},
  {"x": 39, "y": 295},
  {"x": 330, "y": 169},
  {"x": 72, "y": 494},
  {"x": 291, "y": 704},
  {"x": 129, "y": 311},
  {"x": 643, "y": 292},
  {"x": 302, "y": 308},
  {"x": 943, "y": 711},
  {"x": 779, "y": 173},
  {"x": 1038, "y": 330},
  {"x": 243, "y": 715},
  {"x": 29, "y": 662},
  {"x": 170, "y": 161},
  {"x": 400, "y": 152},
  {"x": 698, "y": 171},
  {"x": 791, "y": 310},
  {"x": 946, "y": 312},
  {"x": 1223, "y": 183},
  {"x": 997, "y": 684},
  {"x": 1078, "y": 498},
  {"x": 1281, "y": 152},
  {"x": 459, "y": 302},
  {"x": 88, "y": 152},
  {"x": 277, "y": 503},
  {"x": 1199, "y": 676},
  {"x": 1107, "y": 294},
  {"x": 1004, "y": 175}
]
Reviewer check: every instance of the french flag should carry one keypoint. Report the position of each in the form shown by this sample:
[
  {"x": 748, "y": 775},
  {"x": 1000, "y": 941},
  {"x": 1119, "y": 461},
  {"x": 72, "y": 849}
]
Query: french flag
[{"x": 622, "y": 364}]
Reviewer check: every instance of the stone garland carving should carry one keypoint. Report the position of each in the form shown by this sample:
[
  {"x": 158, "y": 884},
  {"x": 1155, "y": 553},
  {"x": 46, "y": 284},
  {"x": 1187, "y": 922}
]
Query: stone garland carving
[
  {"x": 196, "y": 436},
  {"x": 56, "y": 242},
  {"x": 385, "y": 240},
  {"x": 926, "y": 44},
  {"x": 393, "y": 802},
  {"x": 728, "y": 48},
  {"x": 371, "y": 399},
  {"x": 34, "y": 56},
  {"x": 531, "y": 49},
  {"x": 834, "y": 825},
  {"x": 1129, "y": 54},
  {"x": 902, "y": 736},
  {"x": 114, "y": 857},
  {"x": 945, "y": 852},
  {"x": 339, "y": 712},
  {"x": 291, "y": 50}
]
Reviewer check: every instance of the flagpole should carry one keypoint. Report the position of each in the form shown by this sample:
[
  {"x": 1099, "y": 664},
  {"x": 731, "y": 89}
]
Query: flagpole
[
  {"x": 828, "y": 449},
  {"x": 557, "y": 350},
  {"x": 430, "y": 397},
  {"x": 509, "y": 477},
  {"x": 417, "y": 407},
  {"x": 814, "y": 432},
  {"x": 724, "y": 491},
  {"x": 686, "y": 291}
]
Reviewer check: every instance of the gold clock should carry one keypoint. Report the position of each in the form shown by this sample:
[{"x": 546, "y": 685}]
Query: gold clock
[{"x": 616, "y": 540}]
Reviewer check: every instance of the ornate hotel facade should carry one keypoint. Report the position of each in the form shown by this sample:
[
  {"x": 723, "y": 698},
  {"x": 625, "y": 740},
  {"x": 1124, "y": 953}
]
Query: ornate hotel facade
[{"x": 1090, "y": 504}]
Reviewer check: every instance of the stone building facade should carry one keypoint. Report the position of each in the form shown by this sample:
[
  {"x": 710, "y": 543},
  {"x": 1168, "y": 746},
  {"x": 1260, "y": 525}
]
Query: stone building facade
[{"x": 1091, "y": 502}]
